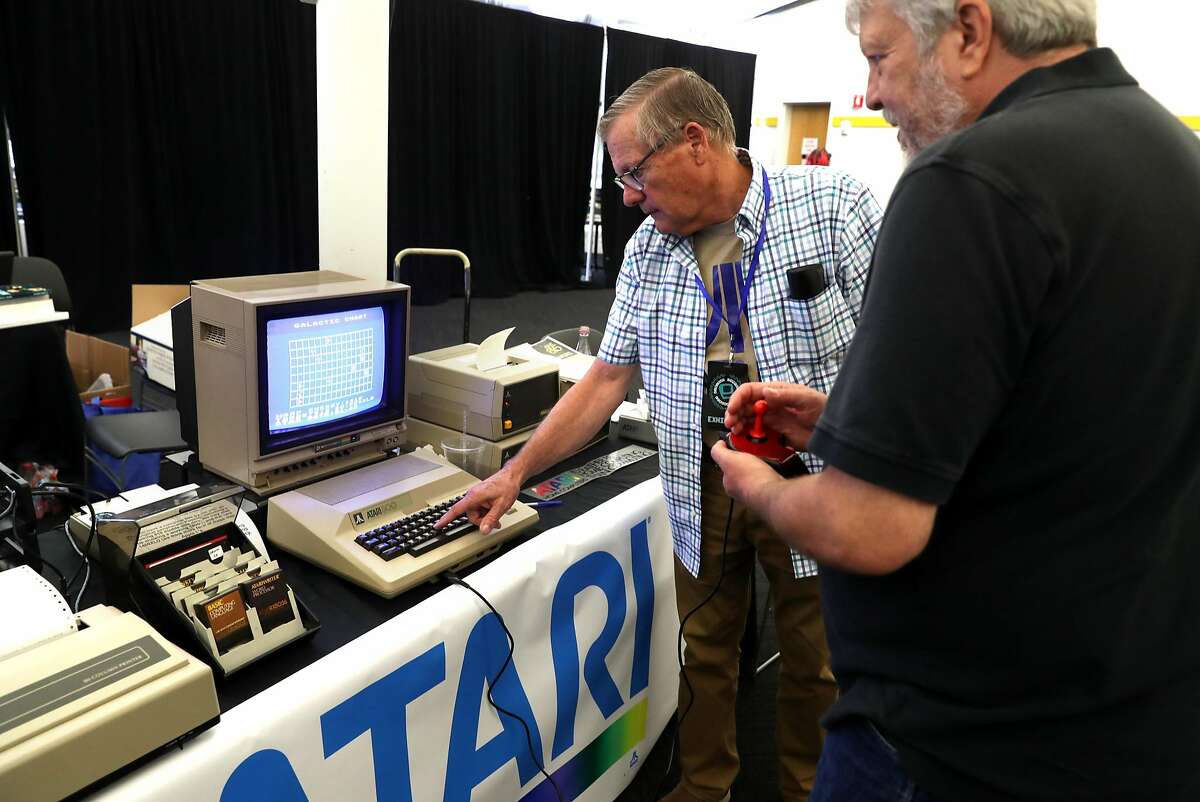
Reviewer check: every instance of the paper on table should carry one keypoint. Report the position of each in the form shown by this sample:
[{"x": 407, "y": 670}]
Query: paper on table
[
  {"x": 32, "y": 611},
  {"x": 571, "y": 364},
  {"x": 157, "y": 328}
]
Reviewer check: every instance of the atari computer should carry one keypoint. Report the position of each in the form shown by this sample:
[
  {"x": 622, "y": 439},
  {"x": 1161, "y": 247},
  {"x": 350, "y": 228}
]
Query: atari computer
[{"x": 300, "y": 397}]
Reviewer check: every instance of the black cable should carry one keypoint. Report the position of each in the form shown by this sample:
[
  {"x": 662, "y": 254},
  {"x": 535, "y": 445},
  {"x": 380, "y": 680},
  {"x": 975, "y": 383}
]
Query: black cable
[
  {"x": 80, "y": 489},
  {"x": 512, "y": 645},
  {"x": 675, "y": 747},
  {"x": 61, "y": 579},
  {"x": 87, "y": 565},
  {"x": 12, "y": 502},
  {"x": 62, "y": 489},
  {"x": 70, "y": 491}
]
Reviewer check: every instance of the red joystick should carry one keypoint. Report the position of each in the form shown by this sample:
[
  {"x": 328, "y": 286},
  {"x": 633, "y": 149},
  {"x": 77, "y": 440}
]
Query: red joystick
[
  {"x": 758, "y": 432},
  {"x": 766, "y": 443}
]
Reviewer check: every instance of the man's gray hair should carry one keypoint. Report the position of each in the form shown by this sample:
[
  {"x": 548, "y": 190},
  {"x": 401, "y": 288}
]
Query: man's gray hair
[
  {"x": 667, "y": 99},
  {"x": 1025, "y": 27}
]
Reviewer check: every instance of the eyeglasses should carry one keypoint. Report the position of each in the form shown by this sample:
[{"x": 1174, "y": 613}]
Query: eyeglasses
[{"x": 632, "y": 177}]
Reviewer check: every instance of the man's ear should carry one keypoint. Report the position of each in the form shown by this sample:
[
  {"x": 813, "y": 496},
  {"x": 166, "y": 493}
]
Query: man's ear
[
  {"x": 697, "y": 141},
  {"x": 973, "y": 24}
]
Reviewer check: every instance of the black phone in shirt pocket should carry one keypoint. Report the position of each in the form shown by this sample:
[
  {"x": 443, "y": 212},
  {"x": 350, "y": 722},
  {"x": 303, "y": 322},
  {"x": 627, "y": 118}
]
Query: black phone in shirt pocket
[{"x": 805, "y": 282}]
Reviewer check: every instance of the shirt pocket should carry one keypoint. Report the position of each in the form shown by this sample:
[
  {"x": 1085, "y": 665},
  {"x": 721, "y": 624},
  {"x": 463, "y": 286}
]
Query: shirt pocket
[{"x": 819, "y": 332}]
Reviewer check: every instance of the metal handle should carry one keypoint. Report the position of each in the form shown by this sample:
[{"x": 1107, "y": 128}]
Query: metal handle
[{"x": 466, "y": 263}]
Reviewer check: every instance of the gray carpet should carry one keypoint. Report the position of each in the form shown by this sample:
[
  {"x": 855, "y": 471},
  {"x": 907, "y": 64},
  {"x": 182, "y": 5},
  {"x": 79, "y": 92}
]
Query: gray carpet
[{"x": 533, "y": 313}]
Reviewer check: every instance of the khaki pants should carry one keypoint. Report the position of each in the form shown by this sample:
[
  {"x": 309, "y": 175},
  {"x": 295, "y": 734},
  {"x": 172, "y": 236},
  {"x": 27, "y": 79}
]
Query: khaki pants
[{"x": 708, "y": 739}]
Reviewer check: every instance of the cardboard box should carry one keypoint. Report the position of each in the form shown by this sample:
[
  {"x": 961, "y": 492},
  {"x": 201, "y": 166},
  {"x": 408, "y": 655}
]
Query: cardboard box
[
  {"x": 150, "y": 335},
  {"x": 150, "y": 300},
  {"x": 91, "y": 356}
]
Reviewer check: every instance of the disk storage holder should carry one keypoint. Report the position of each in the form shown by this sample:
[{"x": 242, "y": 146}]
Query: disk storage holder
[{"x": 186, "y": 565}]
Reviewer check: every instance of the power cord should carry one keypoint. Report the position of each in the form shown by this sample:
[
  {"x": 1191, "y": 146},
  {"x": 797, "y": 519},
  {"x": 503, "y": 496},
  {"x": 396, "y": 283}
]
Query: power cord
[
  {"x": 80, "y": 493},
  {"x": 12, "y": 503},
  {"x": 675, "y": 747},
  {"x": 76, "y": 493},
  {"x": 87, "y": 564},
  {"x": 64, "y": 490},
  {"x": 453, "y": 578}
]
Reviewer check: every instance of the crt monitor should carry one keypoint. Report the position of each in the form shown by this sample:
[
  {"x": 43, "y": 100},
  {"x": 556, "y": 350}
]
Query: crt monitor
[{"x": 298, "y": 375}]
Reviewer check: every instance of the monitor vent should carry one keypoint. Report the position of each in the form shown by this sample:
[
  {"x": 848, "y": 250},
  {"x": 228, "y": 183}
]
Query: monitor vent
[{"x": 213, "y": 335}]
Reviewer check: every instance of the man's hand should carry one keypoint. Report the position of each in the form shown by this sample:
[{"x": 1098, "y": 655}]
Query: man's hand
[
  {"x": 793, "y": 410},
  {"x": 746, "y": 477},
  {"x": 575, "y": 418},
  {"x": 486, "y": 502}
]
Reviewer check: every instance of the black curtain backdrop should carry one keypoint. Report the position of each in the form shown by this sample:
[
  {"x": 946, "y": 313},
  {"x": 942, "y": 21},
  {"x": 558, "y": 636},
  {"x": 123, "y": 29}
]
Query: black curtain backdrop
[
  {"x": 8, "y": 226},
  {"x": 8, "y": 230},
  {"x": 492, "y": 116},
  {"x": 632, "y": 55},
  {"x": 159, "y": 142}
]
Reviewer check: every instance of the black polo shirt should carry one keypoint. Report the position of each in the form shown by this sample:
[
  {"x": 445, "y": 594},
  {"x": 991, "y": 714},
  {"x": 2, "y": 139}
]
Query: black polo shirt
[{"x": 1029, "y": 359}]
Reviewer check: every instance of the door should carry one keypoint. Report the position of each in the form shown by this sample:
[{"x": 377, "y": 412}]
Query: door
[{"x": 807, "y": 125}]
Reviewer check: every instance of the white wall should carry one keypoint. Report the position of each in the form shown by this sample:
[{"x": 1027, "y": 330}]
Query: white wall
[
  {"x": 352, "y": 136},
  {"x": 1155, "y": 43},
  {"x": 806, "y": 55}
]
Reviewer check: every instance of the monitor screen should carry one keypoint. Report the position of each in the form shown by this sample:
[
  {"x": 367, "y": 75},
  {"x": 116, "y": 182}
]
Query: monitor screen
[
  {"x": 324, "y": 368},
  {"x": 329, "y": 367}
]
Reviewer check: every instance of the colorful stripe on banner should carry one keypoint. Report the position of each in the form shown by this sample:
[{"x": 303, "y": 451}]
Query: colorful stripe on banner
[{"x": 576, "y": 775}]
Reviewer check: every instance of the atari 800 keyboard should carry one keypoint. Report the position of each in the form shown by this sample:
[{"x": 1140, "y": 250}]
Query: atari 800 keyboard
[{"x": 373, "y": 525}]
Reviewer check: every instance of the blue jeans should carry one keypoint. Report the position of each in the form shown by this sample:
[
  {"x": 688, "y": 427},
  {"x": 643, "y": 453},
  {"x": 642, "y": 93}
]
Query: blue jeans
[{"x": 858, "y": 765}]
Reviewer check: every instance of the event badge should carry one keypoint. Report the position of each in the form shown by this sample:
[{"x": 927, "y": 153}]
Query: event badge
[{"x": 720, "y": 381}]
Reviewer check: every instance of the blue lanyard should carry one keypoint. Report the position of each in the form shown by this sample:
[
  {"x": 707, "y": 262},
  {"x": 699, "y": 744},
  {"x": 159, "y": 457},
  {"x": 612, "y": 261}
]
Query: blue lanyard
[{"x": 731, "y": 271}]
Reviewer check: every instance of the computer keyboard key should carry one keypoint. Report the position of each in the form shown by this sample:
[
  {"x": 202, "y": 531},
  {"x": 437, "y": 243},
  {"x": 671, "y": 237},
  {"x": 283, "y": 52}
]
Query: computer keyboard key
[
  {"x": 414, "y": 533},
  {"x": 441, "y": 538}
]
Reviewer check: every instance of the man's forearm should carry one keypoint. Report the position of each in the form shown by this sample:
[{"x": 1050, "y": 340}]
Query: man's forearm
[
  {"x": 576, "y": 417},
  {"x": 794, "y": 511},
  {"x": 845, "y": 523}
]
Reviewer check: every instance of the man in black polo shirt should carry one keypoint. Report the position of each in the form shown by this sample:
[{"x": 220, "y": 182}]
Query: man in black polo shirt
[{"x": 1009, "y": 520}]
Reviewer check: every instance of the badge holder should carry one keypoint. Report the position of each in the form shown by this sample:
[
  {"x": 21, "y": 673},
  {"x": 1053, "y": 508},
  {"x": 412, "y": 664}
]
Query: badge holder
[
  {"x": 766, "y": 444},
  {"x": 185, "y": 565}
]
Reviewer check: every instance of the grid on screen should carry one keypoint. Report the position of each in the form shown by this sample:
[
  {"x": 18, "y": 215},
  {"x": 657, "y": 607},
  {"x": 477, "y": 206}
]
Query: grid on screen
[{"x": 330, "y": 367}]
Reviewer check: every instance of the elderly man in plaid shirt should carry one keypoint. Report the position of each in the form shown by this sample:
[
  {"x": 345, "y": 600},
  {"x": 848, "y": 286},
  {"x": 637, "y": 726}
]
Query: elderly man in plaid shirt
[{"x": 738, "y": 273}]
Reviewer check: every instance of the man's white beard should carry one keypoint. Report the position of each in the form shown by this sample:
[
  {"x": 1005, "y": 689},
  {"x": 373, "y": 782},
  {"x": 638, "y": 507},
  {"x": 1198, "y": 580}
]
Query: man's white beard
[{"x": 936, "y": 110}]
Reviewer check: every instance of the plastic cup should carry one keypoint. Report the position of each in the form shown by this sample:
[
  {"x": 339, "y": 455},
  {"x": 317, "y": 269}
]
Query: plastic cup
[{"x": 464, "y": 451}]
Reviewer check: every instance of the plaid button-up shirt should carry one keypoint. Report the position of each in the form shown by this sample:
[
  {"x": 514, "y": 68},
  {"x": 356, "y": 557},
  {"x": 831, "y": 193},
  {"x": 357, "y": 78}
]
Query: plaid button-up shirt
[{"x": 658, "y": 318}]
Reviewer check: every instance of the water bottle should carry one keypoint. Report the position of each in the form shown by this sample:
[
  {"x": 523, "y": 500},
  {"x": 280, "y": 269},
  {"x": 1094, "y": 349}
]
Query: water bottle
[{"x": 583, "y": 346}]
